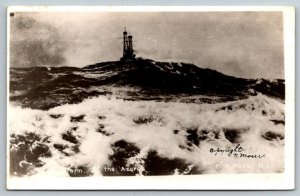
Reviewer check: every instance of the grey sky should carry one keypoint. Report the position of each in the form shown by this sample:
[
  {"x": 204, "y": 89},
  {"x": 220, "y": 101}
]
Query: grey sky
[{"x": 243, "y": 44}]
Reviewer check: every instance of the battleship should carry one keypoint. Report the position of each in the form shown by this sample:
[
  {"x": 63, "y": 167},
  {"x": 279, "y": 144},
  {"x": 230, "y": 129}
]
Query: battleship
[{"x": 141, "y": 117}]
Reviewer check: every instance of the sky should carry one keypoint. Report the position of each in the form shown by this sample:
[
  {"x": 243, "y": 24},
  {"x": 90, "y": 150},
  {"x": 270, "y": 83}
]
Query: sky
[{"x": 241, "y": 44}]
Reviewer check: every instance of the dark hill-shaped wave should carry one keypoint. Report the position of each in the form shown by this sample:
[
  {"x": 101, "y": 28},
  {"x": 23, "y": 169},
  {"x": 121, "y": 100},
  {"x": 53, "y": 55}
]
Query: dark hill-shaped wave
[{"x": 142, "y": 79}]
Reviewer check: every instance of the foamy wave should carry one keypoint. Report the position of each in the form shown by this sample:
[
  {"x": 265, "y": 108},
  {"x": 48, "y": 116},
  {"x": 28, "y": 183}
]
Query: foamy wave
[{"x": 103, "y": 133}]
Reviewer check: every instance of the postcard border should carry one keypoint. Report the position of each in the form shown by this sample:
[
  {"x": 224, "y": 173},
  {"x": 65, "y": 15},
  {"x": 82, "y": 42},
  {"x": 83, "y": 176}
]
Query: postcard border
[{"x": 201, "y": 182}]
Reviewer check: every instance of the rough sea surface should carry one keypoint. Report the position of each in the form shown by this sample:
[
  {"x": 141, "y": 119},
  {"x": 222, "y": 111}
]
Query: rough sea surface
[{"x": 143, "y": 118}]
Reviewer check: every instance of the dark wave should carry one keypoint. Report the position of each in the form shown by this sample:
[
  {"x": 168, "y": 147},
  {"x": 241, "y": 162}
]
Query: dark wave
[{"x": 143, "y": 79}]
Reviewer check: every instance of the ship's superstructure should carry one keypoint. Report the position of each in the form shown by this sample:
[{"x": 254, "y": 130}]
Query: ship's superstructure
[{"x": 128, "y": 52}]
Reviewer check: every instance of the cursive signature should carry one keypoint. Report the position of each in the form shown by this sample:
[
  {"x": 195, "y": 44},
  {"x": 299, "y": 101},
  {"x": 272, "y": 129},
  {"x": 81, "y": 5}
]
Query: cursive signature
[{"x": 237, "y": 152}]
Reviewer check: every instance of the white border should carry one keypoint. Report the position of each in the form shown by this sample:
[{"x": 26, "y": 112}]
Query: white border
[
  {"x": 199, "y": 182},
  {"x": 147, "y": 8}
]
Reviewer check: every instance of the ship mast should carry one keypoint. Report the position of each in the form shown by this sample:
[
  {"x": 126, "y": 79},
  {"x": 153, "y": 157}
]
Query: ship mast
[{"x": 128, "y": 52}]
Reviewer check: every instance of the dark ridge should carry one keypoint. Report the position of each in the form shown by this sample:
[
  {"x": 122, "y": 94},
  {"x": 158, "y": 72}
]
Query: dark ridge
[
  {"x": 271, "y": 136},
  {"x": 144, "y": 119},
  {"x": 52, "y": 91},
  {"x": 234, "y": 135},
  {"x": 77, "y": 118},
  {"x": 25, "y": 151},
  {"x": 278, "y": 122},
  {"x": 101, "y": 126},
  {"x": 209, "y": 134},
  {"x": 188, "y": 147},
  {"x": 153, "y": 163},
  {"x": 101, "y": 117},
  {"x": 157, "y": 165},
  {"x": 122, "y": 151},
  {"x": 217, "y": 134},
  {"x": 55, "y": 116},
  {"x": 105, "y": 133},
  {"x": 75, "y": 148},
  {"x": 275, "y": 88},
  {"x": 225, "y": 108},
  {"x": 175, "y": 131},
  {"x": 102, "y": 131},
  {"x": 72, "y": 129},
  {"x": 101, "y": 65},
  {"x": 203, "y": 135},
  {"x": 236, "y": 107},
  {"x": 192, "y": 136},
  {"x": 61, "y": 148},
  {"x": 192, "y": 79},
  {"x": 43, "y": 88},
  {"x": 69, "y": 136}
]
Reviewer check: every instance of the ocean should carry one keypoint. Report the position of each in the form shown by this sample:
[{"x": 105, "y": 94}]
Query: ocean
[{"x": 143, "y": 118}]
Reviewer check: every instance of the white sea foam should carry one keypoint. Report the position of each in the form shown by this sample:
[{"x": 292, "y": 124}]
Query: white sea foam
[
  {"x": 251, "y": 117},
  {"x": 93, "y": 74}
]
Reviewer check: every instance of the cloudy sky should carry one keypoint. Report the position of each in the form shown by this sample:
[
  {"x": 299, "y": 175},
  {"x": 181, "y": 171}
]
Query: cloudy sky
[{"x": 243, "y": 44}]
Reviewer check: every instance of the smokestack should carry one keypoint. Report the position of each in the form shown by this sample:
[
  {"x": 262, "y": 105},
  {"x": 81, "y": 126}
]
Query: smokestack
[
  {"x": 127, "y": 47},
  {"x": 130, "y": 48}
]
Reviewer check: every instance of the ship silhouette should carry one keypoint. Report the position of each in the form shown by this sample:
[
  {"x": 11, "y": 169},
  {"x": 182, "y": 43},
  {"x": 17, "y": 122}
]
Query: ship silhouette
[{"x": 139, "y": 78}]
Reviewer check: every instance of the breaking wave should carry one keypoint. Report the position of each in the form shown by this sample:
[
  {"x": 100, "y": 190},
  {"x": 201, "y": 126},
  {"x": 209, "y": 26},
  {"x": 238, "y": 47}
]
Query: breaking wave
[{"x": 106, "y": 136}]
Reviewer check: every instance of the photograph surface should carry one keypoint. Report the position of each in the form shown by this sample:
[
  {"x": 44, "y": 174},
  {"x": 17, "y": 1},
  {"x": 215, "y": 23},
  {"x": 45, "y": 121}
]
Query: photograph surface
[{"x": 158, "y": 93}]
